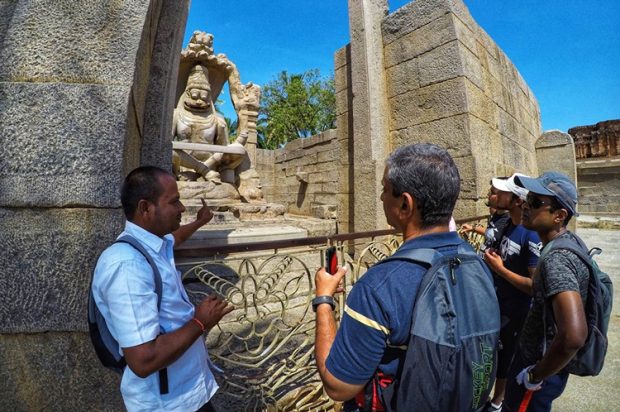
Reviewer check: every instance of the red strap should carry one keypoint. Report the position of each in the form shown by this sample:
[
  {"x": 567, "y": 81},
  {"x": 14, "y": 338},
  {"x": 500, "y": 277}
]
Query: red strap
[
  {"x": 375, "y": 403},
  {"x": 526, "y": 401}
]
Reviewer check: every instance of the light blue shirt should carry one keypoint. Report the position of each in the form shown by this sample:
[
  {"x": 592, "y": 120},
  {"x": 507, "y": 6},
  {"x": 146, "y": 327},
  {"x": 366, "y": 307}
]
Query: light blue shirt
[{"x": 124, "y": 290}]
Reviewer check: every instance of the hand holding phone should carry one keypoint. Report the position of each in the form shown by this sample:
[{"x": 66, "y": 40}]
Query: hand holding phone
[{"x": 331, "y": 260}]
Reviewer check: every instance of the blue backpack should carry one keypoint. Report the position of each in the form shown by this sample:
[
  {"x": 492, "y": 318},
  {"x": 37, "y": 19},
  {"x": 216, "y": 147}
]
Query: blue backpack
[
  {"x": 590, "y": 358},
  {"x": 451, "y": 356},
  {"x": 106, "y": 347}
]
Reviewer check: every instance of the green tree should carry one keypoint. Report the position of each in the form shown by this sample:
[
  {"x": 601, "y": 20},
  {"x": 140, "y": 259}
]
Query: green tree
[
  {"x": 232, "y": 128},
  {"x": 295, "y": 106}
]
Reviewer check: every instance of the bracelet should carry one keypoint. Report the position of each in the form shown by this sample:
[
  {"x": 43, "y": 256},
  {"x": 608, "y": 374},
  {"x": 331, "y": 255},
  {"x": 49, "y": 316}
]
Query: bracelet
[{"x": 202, "y": 325}]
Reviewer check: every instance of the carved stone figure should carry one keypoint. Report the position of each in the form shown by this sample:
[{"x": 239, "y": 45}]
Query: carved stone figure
[{"x": 201, "y": 143}]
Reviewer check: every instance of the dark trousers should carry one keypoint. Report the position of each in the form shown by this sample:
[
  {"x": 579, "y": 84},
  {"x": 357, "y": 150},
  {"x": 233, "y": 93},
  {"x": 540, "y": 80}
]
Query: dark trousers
[
  {"x": 207, "y": 407},
  {"x": 539, "y": 401},
  {"x": 512, "y": 323}
]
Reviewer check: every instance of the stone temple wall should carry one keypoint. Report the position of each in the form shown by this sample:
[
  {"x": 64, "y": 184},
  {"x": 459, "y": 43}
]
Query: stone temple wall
[
  {"x": 304, "y": 175},
  {"x": 86, "y": 94},
  {"x": 450, "y": 84},
  {"x": 312, "y": 176}
]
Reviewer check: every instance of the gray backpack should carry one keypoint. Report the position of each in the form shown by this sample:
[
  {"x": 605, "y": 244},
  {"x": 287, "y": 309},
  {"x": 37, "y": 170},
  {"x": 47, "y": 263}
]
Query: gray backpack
[{"x": 451, "y": 355}]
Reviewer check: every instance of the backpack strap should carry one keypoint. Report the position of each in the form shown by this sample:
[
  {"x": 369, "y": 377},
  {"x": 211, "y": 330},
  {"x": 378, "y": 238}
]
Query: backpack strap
[
  {"x": 575, "y": 245},
  {"x": 427, "y": 256},
  {"x": 156, "y": 275},
  {"x": 424, "y": 256},
  {"x": 163, "y": 373}
]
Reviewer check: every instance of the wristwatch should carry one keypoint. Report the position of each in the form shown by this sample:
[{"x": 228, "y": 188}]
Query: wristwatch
[{"x": 319, "y": 300}]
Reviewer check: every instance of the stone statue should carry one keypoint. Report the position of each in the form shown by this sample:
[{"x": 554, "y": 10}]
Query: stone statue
[{"x": 201, "y": 147}]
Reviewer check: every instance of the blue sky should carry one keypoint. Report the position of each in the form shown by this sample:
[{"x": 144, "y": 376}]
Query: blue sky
[{"x": 568, "y": 51}]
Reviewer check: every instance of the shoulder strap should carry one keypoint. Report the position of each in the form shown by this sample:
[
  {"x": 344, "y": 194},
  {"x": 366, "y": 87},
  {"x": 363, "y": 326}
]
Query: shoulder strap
[
  {"x": 427, "y": 256},
  {"x": 424, "y": 256},
  {"x": 163, "y": 373},
  {"x": 156, "y": 275},
  {"x": 573, "y": 244}
]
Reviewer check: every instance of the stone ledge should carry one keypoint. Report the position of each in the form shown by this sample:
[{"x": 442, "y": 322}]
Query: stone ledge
[{"x": 611, "y": 221}]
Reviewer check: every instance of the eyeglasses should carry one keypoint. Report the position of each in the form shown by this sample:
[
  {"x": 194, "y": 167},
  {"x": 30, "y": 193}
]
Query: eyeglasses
[{"x": 534, "y": 202}]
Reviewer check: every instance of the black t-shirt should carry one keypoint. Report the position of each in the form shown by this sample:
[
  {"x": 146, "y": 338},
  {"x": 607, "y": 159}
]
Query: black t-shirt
[
  {"x": 519, "y": 249},
  {"x": 496, "y": 226}
]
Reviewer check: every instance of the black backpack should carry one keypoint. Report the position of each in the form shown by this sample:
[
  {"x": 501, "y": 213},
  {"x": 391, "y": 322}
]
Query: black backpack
[
  {"x": 451, "y": 356},
  {"x": 106, "y": 347},
  {"x": 590, "y": 358}
]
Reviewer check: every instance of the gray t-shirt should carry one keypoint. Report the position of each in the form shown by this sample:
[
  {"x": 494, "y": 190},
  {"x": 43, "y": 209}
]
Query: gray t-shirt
[{"x": 559, "y": 271}]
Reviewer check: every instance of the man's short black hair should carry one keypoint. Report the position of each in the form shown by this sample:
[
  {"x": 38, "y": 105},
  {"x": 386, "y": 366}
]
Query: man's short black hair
[
  {"x": 428, "y": 173},
  {"x": 141, "y": 184}
]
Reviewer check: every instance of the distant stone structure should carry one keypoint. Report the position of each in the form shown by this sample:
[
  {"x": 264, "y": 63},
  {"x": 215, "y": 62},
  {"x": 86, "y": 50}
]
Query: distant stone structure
[
  {"x": 598, "y": 167},
  {"x": 555, "y": 151},
  {"x": 598, "y": 140}
]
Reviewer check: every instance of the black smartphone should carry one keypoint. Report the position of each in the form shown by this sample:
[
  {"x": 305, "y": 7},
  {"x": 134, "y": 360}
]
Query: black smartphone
[{"x": 331, "y": 260}]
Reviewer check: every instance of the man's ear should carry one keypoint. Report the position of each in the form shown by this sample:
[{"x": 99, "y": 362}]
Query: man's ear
[
  {"x": 519, "y": 201},
  {"x": 560, "y": 215},
  {"x": 143, "y": 207},
  {"x": 407, "y": 204}
]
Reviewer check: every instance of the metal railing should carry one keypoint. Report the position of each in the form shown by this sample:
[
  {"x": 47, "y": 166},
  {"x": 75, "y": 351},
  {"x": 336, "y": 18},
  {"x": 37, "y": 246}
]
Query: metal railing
[{"x": 265, "y": 347}]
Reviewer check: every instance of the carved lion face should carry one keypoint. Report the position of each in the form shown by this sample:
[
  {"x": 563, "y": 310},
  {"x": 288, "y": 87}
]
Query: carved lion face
[{"x": 198, "y": 98}]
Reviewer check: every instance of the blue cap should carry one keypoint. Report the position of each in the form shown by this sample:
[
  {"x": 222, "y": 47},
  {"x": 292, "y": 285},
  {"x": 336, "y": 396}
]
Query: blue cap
[{"x": 553, "y": 184}]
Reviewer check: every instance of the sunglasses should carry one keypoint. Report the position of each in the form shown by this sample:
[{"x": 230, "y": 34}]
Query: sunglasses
[{"x": 534, "y": 202}]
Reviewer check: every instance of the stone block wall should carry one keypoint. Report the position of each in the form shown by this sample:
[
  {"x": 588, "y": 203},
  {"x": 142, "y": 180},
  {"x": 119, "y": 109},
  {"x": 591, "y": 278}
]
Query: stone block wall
[
  {"x": 313, "y": 176},
  {"x": 450, "y": 84},
  {"x": 84, "y": 97},
  {"x": 305, "y": 176},
  {"x": 599, "y": 186}
]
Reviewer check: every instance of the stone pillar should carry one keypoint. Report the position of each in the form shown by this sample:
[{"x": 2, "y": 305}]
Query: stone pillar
[
  {"x": 84, "y": 97},
  {"x": 251, "y": 143},
  {"x": 370, "y": 111},
  {"x": 555, "y": 151}
]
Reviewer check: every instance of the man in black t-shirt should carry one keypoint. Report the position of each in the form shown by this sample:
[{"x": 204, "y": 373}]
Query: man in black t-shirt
[{"x": 537, "y": 375}]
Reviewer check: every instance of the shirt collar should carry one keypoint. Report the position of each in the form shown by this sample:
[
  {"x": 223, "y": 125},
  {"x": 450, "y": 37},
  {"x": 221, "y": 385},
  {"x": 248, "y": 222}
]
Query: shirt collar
[
  {"x": 433, "y": 240},
  {"x": 151, "y": 240}
]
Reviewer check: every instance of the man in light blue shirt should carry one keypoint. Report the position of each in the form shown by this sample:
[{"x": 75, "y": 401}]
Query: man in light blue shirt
[{"x": 124, "y": 291}]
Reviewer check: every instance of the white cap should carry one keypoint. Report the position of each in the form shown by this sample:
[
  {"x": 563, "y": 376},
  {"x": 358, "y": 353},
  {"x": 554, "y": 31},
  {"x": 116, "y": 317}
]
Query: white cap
[{"x": 509, "y": 185}]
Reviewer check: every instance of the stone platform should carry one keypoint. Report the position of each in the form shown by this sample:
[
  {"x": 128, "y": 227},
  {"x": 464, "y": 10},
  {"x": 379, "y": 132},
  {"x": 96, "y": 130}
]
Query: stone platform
[{"x": 235, "y": 223}]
